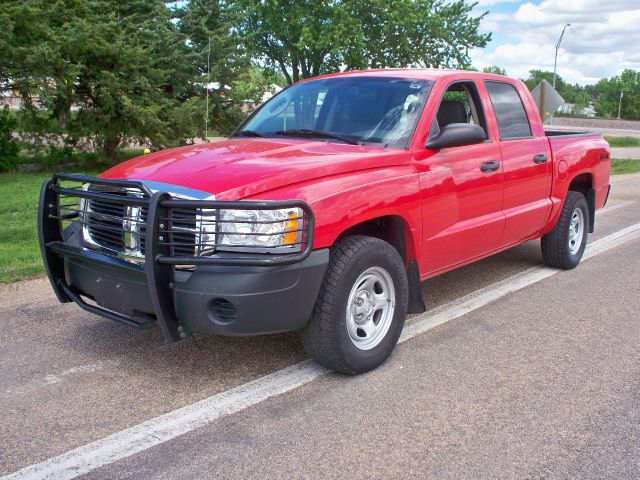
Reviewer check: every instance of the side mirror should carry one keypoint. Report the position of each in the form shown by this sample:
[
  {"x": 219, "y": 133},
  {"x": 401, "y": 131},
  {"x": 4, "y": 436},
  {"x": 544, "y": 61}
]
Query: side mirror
[{"x": 456, "y": 135}]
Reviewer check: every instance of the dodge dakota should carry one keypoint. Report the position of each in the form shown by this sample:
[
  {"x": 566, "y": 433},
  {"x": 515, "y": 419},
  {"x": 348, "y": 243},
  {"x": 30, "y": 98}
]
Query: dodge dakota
[{"x": 324, "y": 211}]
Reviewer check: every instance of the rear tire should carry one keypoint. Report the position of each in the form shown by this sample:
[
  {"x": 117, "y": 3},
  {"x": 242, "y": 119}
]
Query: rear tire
[
  {"x": 361, "y": 307},
  {"x": 564, "y": 246}
]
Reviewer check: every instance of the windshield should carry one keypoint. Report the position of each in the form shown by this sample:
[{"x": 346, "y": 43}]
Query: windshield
[{"x": 362, "y": 110}]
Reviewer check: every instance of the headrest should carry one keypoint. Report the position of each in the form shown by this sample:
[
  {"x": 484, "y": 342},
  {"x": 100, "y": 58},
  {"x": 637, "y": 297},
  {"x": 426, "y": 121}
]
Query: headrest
[{"x": 451, "y": 111}]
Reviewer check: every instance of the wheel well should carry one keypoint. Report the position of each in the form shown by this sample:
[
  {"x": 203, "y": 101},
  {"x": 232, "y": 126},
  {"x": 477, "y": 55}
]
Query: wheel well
[
  {"x": 391, "y": 229},
  {"x": 583, "y": 183}
]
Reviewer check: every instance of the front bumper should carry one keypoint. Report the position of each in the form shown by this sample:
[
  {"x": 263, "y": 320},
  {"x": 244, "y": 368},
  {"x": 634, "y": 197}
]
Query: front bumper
[
  {"x": 224, "y": 300},
  {"x": 226, "y": 296}
]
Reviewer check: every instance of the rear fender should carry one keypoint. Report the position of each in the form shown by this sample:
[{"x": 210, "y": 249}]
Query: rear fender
[{"x": 585, "y": 163}]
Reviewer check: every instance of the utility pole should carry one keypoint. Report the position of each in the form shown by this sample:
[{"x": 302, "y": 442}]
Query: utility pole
[
  {"x": 555, "y": 64},
  {"x": 620, "y": 104},
  {"x": 206, "y": 117}
]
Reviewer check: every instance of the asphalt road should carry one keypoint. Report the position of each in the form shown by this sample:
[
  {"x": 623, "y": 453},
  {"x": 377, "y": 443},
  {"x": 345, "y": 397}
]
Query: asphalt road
[
  {"x": 605, "y": 130},
  {"x": 627, "y": 152},
  {"x": 540, "y": 382}
]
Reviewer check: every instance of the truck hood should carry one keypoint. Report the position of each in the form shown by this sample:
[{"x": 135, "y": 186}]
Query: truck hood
[{"x": 238, "y": 168}]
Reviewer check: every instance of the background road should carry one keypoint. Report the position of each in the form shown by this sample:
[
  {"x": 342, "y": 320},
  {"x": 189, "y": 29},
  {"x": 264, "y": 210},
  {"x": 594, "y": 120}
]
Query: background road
[
  {"x": 620, "y": 128},
  {"x": 541, "y": 383},
  {"x": 628, "y": 152}
]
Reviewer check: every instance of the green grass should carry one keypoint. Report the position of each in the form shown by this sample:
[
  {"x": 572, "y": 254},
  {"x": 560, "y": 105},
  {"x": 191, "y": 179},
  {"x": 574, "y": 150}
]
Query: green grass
[
  {"x": 19, "y": 250},
  {"x": 620, "y": 166},
  {"x": 19, "y": 254},
  {"x": 622, "y": 141}
]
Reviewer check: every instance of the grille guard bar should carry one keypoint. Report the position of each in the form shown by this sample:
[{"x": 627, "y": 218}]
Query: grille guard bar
[{"x": 159, "y": 264}]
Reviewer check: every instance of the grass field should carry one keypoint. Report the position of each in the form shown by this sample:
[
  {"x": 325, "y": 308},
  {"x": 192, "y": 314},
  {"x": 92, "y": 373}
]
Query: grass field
[
  {"x": 620, "y": 166},
  {"x": 19, "y": 251},
  {"x": 19, "y": 257},
  {"x": 617, "y": 142}
]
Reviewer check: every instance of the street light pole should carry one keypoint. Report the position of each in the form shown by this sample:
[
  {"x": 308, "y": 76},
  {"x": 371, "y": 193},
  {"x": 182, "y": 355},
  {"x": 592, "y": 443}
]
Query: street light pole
[{"x": 555, "y": 64}]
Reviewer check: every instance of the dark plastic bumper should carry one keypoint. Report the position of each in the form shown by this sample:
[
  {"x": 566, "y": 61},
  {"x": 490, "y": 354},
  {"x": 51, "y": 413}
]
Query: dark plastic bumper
[{"x": 224, "y": 300}]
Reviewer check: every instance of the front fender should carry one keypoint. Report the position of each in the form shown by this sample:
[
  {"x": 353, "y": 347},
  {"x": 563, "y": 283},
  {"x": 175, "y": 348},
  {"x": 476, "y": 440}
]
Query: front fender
[{"x": 343, "y": 201}]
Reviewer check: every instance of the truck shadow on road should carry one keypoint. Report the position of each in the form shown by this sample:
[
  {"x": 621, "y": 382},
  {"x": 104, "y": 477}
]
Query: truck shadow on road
[{"x": 208, "y": 356}]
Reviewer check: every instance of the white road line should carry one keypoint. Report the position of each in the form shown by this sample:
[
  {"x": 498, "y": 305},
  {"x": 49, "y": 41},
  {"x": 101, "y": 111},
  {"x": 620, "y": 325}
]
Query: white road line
[
  {"x": 614, "y": 207},
  {"x": 165, "y": 427},
  {"x": 483, "y": 296}
]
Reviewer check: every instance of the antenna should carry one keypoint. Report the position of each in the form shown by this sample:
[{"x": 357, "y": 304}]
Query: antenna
[{"x": 206, "y": 117}]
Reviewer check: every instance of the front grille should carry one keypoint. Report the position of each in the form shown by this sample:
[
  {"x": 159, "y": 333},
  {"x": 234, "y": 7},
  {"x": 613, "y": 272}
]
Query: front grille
[
  {"x": 142, "y": 226},
  {"x": 182, "y": 231},
  {"x": 104, "y": 224},
  {"x": 118, "y": 228},
  {"x": 121, "y": 229},
  {"x": 192, "y": 227}
]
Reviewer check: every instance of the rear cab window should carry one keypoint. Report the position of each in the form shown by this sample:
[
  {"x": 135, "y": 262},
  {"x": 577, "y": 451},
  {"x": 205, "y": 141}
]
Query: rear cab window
[{"x": 513, "y": 122}]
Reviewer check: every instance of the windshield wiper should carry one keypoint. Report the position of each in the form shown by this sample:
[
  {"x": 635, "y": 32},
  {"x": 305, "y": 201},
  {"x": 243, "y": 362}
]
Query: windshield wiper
[
  {"x": 251, "y": 133},
  {"x": 307, "y": 133}
]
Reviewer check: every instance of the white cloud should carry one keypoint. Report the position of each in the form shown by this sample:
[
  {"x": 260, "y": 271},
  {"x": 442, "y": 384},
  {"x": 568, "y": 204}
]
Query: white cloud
[
  {"x": 493, "y": 21},
  {"x": 603, "y": 38}
]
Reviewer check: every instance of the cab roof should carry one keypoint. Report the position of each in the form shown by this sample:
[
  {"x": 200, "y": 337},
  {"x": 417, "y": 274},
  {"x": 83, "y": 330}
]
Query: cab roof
[{"x": 416, "y": 73}]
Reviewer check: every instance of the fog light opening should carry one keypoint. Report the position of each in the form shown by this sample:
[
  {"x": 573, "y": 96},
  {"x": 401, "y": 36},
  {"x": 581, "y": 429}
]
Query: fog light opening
[{"x": 222, "y": 311}]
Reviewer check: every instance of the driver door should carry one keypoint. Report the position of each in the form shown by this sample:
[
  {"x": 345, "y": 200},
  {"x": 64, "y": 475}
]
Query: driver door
[{"x": 461, "y": 187}]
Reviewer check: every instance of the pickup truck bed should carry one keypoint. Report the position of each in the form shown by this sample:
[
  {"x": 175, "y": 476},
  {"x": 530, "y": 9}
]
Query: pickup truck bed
[{"x": 566, "y": 133}]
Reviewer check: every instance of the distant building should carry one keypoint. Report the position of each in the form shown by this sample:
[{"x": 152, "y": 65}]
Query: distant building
[
  {"x": 573, "y": 109},
  {"x": 273, "y": 89}
]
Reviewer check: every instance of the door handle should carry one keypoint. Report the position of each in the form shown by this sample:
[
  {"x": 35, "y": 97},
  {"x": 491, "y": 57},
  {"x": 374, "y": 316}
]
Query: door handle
[
  {"x": 491, "y": 166},
  {"x": 540, "y": 158}
]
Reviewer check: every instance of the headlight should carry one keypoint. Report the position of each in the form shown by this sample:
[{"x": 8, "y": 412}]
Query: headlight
[{"x": 255, "y": 230}]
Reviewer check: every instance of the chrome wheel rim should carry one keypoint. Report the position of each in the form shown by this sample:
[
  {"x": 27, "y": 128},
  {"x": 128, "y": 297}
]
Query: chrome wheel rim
[
  {"x": 370, "y": 308},
  {"x": 576, "y": 231}
]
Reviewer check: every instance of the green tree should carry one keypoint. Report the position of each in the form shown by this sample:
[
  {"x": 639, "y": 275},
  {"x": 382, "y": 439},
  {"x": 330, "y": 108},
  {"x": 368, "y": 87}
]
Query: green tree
[
  {"x": 134, "y": 74},
  {"x": 8, "y": 145},
  {"x": 254, "y": 82},
  {"x": 135, "y": 69},
  {"x": 305, "y": 38},
  {"x": 576, "y": 94},
  {"x": 607, "y": 94},
  {"x": 38, "y": 58},
  {"x": 536, "y": 76},
  {"x": 495, "y": 69},
  {"x": 211, "y": 40}
]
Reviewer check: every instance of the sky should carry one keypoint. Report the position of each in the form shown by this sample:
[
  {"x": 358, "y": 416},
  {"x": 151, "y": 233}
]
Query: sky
[{"x": 603, "y": 39}]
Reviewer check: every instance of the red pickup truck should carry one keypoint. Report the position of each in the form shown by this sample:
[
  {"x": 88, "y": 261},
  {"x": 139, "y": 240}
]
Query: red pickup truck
[{"x": 324, "y": 211}]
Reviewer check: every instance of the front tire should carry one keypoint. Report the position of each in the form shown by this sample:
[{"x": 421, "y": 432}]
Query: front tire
[
  {"x": 361, "y": 307},
  {"x": 564, "y": 246}
]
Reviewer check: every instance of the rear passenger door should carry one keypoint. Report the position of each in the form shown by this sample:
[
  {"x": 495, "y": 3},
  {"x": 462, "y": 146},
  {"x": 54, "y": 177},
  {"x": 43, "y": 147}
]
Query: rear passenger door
[{"x": 526, "y": 164}]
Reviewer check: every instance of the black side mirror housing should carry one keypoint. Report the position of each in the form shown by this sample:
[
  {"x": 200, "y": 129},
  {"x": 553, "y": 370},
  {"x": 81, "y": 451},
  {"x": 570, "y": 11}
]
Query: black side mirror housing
[{"x": 456, "y": 135}]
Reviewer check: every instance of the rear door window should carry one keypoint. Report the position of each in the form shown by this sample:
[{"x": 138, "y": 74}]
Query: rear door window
[{"x": 513, "y": 121}]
